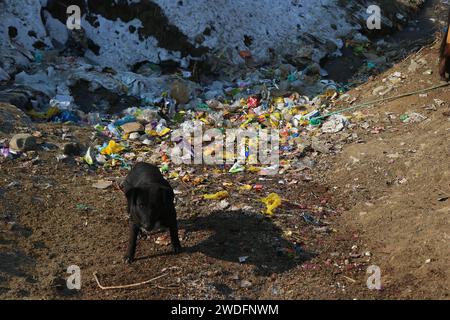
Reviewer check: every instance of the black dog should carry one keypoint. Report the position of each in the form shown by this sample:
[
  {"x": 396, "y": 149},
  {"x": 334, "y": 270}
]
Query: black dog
[{"x": 150, "y": 201}]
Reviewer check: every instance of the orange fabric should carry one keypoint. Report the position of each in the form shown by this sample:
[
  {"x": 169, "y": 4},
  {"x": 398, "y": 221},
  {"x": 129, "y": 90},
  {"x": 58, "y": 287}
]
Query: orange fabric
[{"x": 448, "y": 36}]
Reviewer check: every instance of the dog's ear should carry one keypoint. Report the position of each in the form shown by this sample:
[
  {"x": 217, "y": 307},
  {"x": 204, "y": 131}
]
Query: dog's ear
[
  {"x": 167, "y": 196},
  {"x": 131, "y": 198},
  {"x": 129, "y": 193}
]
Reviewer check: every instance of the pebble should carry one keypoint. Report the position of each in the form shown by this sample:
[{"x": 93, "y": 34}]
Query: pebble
[
  {"x": 71, "y": 149},
  {"x": 23, "y": 142},
  {"x": 319, "y": 146},
  {"x": 134, "y": 136},
  {"x": 102, "y": 184},
  {"x": 180, "y": 92},
  {"x": 132, "y": 127}
]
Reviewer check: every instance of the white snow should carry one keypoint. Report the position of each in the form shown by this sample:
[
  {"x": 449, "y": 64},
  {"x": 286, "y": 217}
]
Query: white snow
[{"x": 283, "y": 25}]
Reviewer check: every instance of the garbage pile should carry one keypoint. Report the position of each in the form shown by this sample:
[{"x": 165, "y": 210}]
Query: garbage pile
[{"x": 144, "y": 134}]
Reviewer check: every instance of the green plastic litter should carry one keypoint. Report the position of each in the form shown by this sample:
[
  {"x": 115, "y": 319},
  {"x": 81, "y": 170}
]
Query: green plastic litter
[
  {"x": 404, "y": 117},
  {"x": 82, "y": 207},
  {"x": 292, "y": 77},
  {"x": 203, "y": 106}
]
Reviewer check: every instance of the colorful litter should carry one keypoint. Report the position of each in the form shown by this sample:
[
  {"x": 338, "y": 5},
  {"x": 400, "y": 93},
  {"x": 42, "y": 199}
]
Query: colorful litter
[
  {"x": 216, "y": 196},
  {"x": 272, "y": 202},
  {"x": 112, "y": 148}
]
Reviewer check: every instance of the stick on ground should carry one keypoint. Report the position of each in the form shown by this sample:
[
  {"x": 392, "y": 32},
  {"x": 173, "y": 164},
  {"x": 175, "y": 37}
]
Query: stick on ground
[{"x": 128, "y": 285}]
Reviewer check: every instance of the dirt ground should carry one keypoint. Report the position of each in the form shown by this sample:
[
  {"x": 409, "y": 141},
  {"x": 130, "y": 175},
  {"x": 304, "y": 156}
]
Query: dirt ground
[{"x": 383, "y": 200}]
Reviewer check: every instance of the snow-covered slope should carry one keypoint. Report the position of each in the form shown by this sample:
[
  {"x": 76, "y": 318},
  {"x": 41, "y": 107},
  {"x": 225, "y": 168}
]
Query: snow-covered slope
[{"x": 132, "y": 31}]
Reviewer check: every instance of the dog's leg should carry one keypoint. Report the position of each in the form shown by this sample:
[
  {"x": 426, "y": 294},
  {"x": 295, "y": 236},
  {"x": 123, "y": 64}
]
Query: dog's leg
[
  {"x": 134, "y": 231},
  {"x": 173, "y": 229},
  {"x": 175, "y": 240}
]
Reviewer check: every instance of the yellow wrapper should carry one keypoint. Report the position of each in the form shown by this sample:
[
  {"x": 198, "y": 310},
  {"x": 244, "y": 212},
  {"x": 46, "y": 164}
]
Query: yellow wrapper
[
  {"x": 216, "y": 196},
  {"x": 112, "y": 148},
  {"x": 272, "y": 201}
]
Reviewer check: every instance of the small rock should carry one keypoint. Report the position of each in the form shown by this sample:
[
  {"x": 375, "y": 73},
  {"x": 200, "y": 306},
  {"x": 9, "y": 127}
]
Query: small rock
[
  {"x": 382, "y": 90},
  {"x": 382, "y": 93},
  {"x": 377, "y": 90},
  {"x": 413, "y": 66},
  {"x": 313, "y": 69},
  {"x": 319, "y": 146},
  {"x": 72, "y": 149},
  {"x": 147, "y": 142},
  {"x": 439, "y": 102},
  {"x": 246, "y": 284},
  {"x": 102, "y": 184},
  {"x": 180, "y": 92},
  {"x": 23, "y": 142},
  {"x": 134, "y": 136},
  {"x": 12, "y": 118},
  {"x": 132, "y": 127},
  {"x": 285, "y": 70},
  {"x": 61, "y": 157}
]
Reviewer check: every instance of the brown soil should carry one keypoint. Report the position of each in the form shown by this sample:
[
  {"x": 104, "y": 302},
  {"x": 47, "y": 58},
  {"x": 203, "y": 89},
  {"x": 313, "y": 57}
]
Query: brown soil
[{"x": 384, "y": 194}]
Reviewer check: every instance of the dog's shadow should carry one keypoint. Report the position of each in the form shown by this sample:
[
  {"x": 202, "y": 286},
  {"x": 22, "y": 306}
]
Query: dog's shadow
[{"x": 238, "y": 234}]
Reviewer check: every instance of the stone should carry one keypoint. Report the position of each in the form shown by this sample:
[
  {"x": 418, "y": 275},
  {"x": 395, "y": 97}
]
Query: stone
[
  {"x": 132, "y": 127},
  {"x": 382, "y": 90},
  {"x": 180, "y": 92},
  {"x": 377, "y": 90},
  {"x": 313, "y": 69},
  {"x": 23, "y": 142},
  {"x": 413, "y": 66},
  {"x": 71, "y": 149},
  {"x": 134, "y": 136},
  {"x": 102, "y": 184},
  {"x": 245, "y": 284},
  {"x": 285, "y": 70},
  {"x": 12, "y": 118},
  {"x": 319, "y": 146}
]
